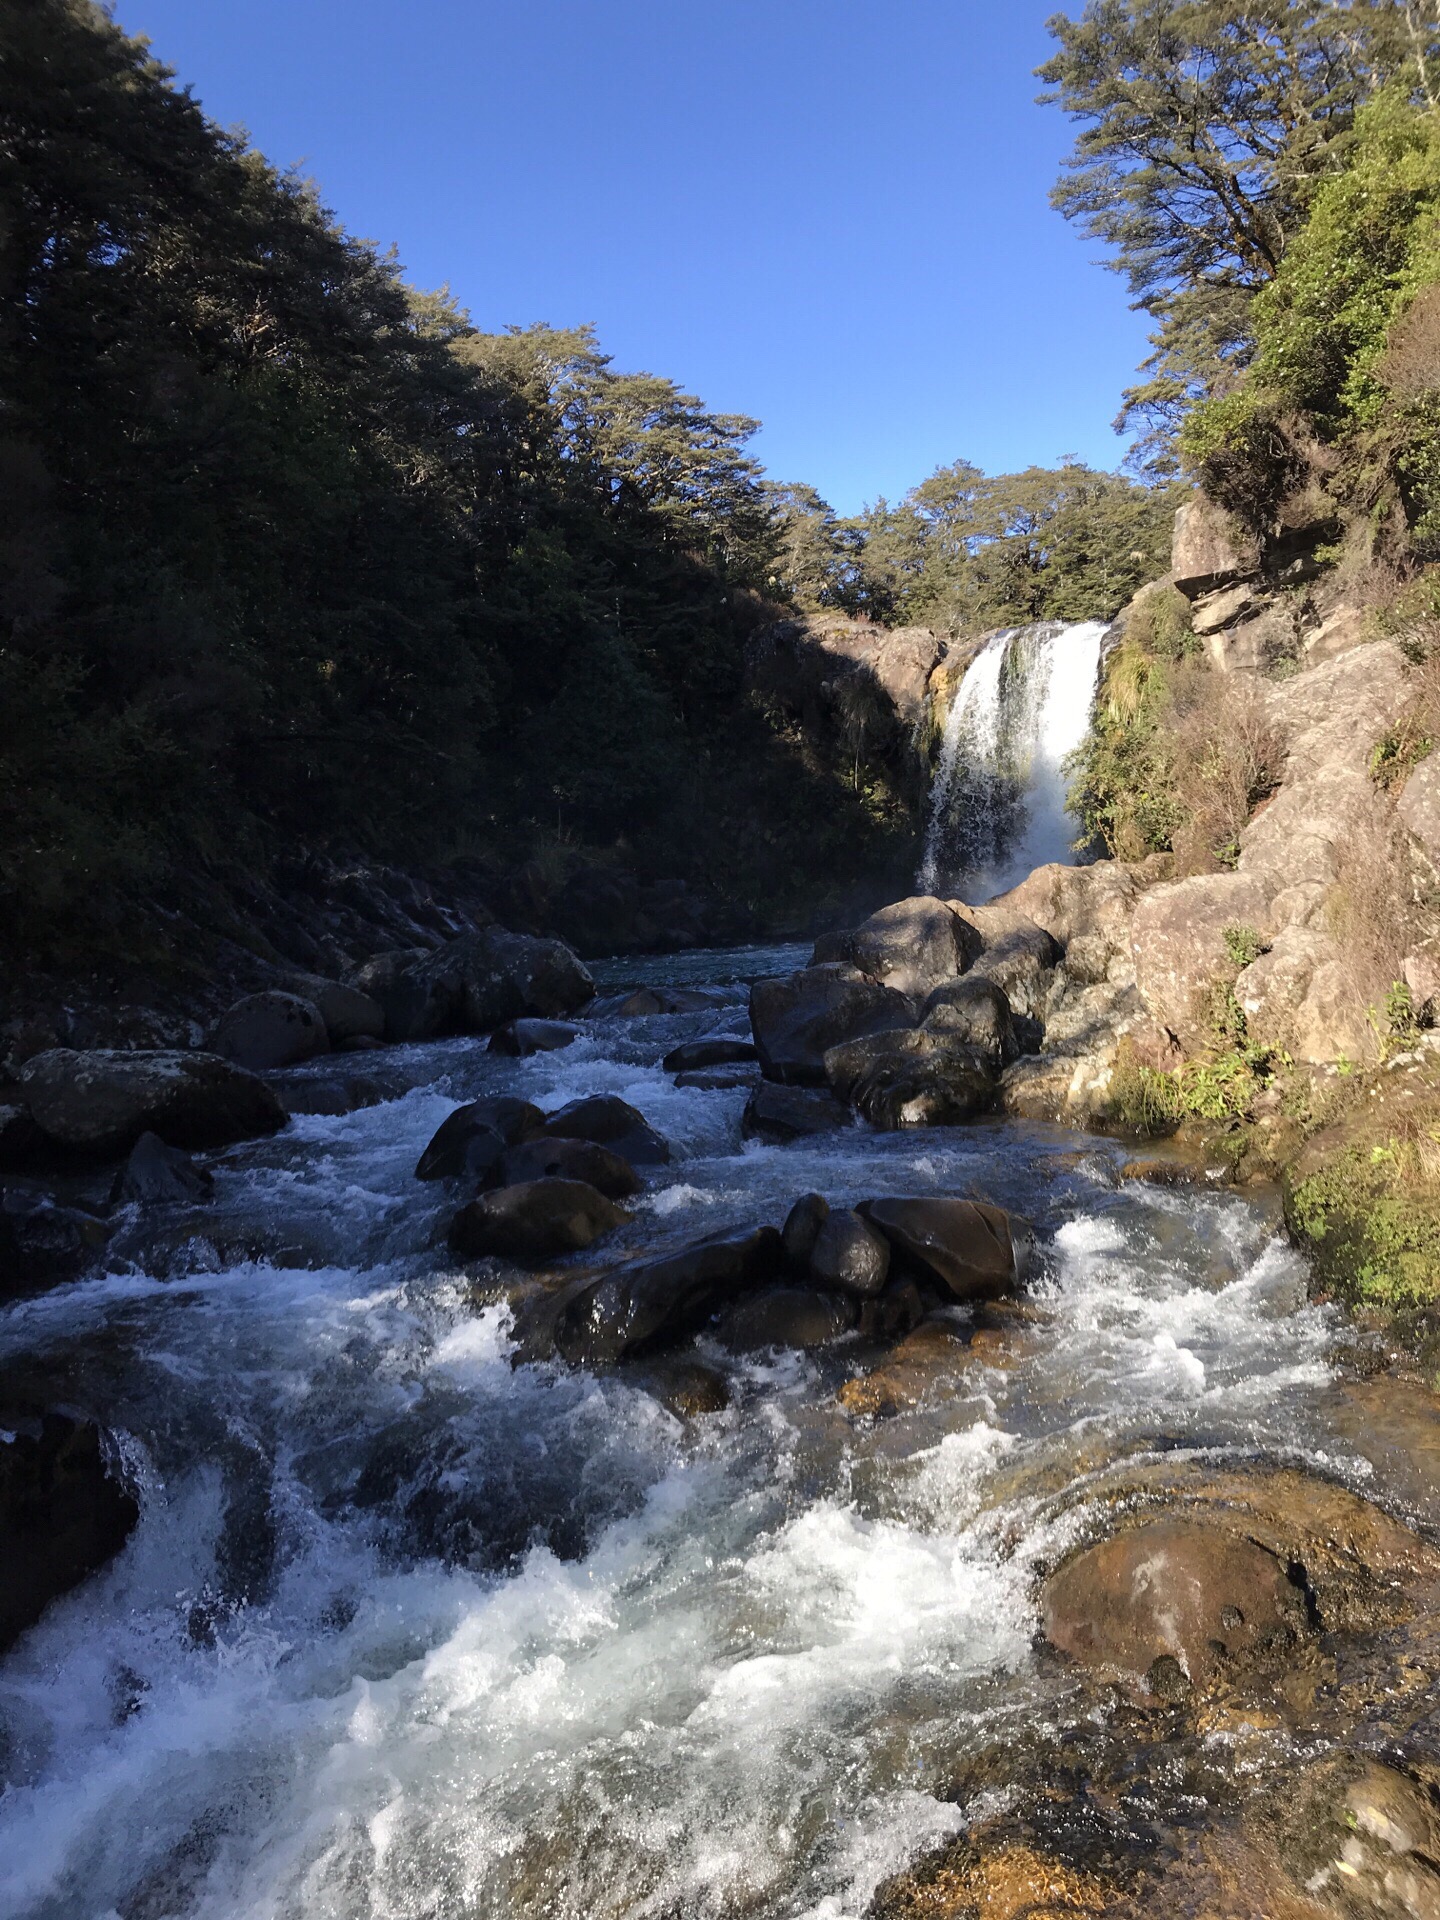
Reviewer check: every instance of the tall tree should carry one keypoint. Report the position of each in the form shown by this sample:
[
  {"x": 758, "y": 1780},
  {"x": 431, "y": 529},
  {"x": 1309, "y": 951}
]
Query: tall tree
[{"x": 1206, "y": 128}]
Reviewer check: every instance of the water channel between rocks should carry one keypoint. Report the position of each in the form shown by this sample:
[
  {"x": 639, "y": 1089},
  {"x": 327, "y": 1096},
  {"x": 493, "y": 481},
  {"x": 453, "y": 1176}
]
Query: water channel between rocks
[{"x": 407, "y": 1631}]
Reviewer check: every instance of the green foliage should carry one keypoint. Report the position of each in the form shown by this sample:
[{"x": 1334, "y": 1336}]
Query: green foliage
[
  {"x": 1346, "y": 336},
  {"x": 298, "y": 558},
  {"x": 1208, "y": 127},
  {"x": 1370, "y": 1226},
  {"x": 1244, "y": 946},
  {"x": 969, "y": 552},
  {"x": 1397, "y": 752}
]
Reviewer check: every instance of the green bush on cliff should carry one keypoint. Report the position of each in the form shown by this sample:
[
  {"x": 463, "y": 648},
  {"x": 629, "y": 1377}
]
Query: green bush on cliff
[{"x": 1370, "y": 1221}]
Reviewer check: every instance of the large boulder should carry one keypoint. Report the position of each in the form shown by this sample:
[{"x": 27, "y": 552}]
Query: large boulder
[
  {"x": 1018, "y": 956},
  {"x": 973, "y": 1009},
  {"x": 62, "y": 1513},
  {"x": 780, "y": 1114},
  {"x": 610, "y": 1122},
  {"x": 268, "y": 1030},
  {"x": 651, "y": 1303},
  {"x": 43, "y": 1243},
  {"x": 101, "y": 1102},
  {"x": 912, "y": 946},
  {"x": 975, "y": 1251},
  {"x": 539, "y": 1220},
  {"x": 472, "y": 1138},
  {"x": 349, "y": 1014},
  {"x": 1300, "y": 996},
  {"x": 911, "y": 1079},
  {"x": 20, "y": 1138},
  {"x": 847, "y": 1255},
  {"x": 521, "y": 1038},
  {"x": 1171, "y": 1593},
  {"x": 1075, "y": 903},
  {"x": 157, "y": 1175},
  {"x": 475, "y": 983},
  {"x": 797, "y": 1020},
  {"x": 548, "y": 1158}
]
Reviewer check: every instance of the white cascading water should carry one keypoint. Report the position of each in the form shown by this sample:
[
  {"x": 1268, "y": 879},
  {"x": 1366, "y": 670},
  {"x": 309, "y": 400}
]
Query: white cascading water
[{"x": 997, "y": 807}]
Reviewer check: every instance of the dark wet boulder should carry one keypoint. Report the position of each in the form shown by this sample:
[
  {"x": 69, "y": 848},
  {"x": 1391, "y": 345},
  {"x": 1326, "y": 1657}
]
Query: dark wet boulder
[
  {"x": 63, "y": 1514},
  {"x": 613, "y": 1123},
  {"x": 475, "y": 983},
  {"x": 720, "y": 1079},
  {"x": 1172, "y": 1594},
  {"x": 43, "y": 1243},
  {"x": 687, "y": 1388},
  {"x": 538, "y": 1220},
  {"x": 894, "y": 1313},
  {"x": 914, "y": 1079},
  {"x": 269, "y": 1030},
  {"x": 101, "y": 1102},
  {"x": 157, "y": 1175},
  {"x": 722, "y": 1050},
  {"x": 911, "y": 946},
  {"x": 802, "y": 1227},
  {"x": 779, "y": 1114},
  {"x": 974, "y": 1010},
  {"x": 796, "y": 1021},
  {"x": 471, "y": 1139},
  {"x": 975, "y": 1251},
  {"x": 330, "y": 1093},
  {"x": 799, "y": 1317},
  {"x": 20, "y": 1138},
  {"x": 349, "y": 1014},
  {"x": 521, "y": 1038},
  {"x": 550, "y": 1158},
  {"x": 652, "y": 1303},
  {"x": 849, "y": 1255}
]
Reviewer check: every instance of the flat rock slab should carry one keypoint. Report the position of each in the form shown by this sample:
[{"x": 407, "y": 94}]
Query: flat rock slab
[{"x": 1172, "y": 1590}]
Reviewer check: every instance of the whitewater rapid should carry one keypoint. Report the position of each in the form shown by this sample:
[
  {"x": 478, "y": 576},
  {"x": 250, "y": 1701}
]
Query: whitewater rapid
[{"x": 406, "y": 1630}]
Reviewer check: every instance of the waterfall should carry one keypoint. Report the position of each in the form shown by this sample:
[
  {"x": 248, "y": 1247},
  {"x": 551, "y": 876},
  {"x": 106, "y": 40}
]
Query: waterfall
[{"x": 997, "y": 806}]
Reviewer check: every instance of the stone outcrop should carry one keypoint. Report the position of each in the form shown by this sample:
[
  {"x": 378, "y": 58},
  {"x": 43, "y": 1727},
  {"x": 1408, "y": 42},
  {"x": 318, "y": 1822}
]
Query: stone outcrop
[
  {"x": 1210, "y": 552},
  {"x": 798, "y": 1020},
  {"x": 810, "y": 667},
  {"x": 912, "y": 947}
]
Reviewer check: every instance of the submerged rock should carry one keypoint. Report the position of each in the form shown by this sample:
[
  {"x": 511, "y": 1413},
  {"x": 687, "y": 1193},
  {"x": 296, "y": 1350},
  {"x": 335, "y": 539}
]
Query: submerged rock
[
  {"x": 62, "y": 1515},
  {"x": 1172, "y": 1590},
  {"x": 1362, "y": 1835},
  {"x": 798, "y": 1020},
  {"x": 538, "y": 1220},
  {"x": 778, "y": 1114},
  {"x": 721, "y": 1051},
  {"x": 471, "y": 1139},
  {"x": 613, "y": 1123},
  {"x": 101, "y": 1102},
  {"x": 43, "y": 1244},
  {"x": 269, "y": 1030},
  {"x": 157, "y": 1175},
  {"x": 720, "y": 1079},
  {"x": 975, "y": 1251},
  {"x": 521, "y": 1038},
  {"x": 550, "y": 1158}
]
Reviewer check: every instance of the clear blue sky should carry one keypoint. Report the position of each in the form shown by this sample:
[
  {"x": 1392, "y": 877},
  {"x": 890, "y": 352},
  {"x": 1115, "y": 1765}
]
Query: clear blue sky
[{"x": 830, "y": 214}]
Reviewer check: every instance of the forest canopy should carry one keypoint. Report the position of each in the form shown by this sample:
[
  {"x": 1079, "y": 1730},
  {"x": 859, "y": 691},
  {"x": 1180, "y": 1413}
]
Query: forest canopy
[{"x": 297, "y": 558}]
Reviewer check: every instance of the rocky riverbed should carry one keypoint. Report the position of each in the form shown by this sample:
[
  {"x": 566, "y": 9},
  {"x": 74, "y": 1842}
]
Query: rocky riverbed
[{"x": 1104, "y": 1583}]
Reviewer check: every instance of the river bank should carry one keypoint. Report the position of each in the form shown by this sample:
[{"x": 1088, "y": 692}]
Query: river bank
[{"x": 402, "y": 1624}]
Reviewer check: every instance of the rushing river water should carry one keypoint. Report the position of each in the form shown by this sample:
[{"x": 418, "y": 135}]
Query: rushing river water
[{"x": 406, "y": 1631}]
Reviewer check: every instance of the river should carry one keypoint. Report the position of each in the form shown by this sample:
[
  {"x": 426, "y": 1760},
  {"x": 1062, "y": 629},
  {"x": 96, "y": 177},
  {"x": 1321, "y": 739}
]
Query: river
[{"x": 408, "y": 1631}]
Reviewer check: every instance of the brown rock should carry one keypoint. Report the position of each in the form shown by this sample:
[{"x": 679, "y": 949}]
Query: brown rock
[
  {"x": 1173, "y": 1590},
  {"x": 1209, "y": 551}
]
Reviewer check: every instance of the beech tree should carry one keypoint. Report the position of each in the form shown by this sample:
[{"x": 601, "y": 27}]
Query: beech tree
[{"x": 1207, "y": 127}]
